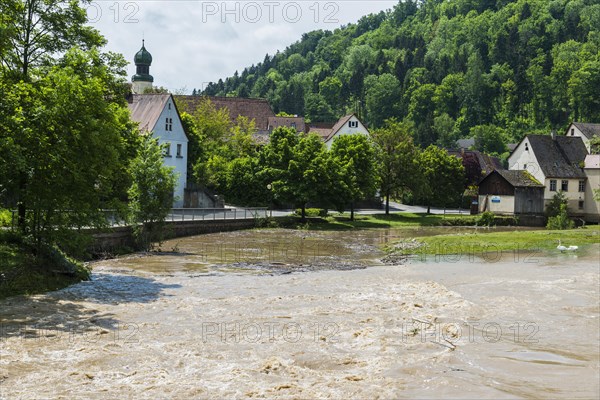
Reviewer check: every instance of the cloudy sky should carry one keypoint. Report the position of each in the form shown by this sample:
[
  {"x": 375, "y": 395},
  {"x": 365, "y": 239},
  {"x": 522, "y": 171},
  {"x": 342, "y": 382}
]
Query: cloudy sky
[{"x": 194, "y": 42}]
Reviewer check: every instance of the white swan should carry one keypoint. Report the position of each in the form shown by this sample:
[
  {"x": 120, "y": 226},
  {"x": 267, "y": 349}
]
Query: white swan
[{"x": 564, "y": 248}]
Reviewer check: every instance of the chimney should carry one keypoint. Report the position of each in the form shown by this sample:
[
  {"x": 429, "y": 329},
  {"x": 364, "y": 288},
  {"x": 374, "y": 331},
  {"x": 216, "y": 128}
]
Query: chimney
[{"x": 553, "y": 134}]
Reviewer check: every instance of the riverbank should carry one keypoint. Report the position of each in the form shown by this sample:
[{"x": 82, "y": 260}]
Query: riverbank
[
  {"x": 27, "y": 269},
  {"x": 484, "y": 241},
  {"x": 340, "y": 222}
]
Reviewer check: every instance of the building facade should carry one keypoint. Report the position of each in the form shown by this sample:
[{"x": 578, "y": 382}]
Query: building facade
[{"x": 157, "y": 115}]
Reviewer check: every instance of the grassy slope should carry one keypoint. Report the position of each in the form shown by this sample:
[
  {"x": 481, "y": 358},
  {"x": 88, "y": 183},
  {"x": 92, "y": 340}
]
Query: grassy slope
[
  {"x": 22, "y": 273},
  {"x": 483, "y": 241}
]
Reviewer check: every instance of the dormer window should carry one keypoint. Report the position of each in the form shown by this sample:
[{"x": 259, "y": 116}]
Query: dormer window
[{"x": 353, "y": 124}]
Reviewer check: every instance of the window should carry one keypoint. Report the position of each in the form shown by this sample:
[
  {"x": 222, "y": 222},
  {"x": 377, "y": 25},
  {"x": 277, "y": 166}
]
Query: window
[
  {"x": 179, "y": 151},
  {"x": 169, "y": 106},
  {"x": 581, "y": 204},
  {"x": 564, "y": 186},
  {"x": 169, "y": 124},
  {"x": 524, "y": 166},
  {"x": 167, "y": 149},
  {"x": 353, "y": 124},
  {"x": 526, "y": 147},
  {"x": 582, "y": 186},
  {"x": 572, "y": 131},
  {"x": 553, "y": 185},
  {"x": 293, "y": 125}
]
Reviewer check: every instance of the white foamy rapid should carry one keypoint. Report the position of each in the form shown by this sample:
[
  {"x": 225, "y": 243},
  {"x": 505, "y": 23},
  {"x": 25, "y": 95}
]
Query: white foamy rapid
[{"x": 156, "y": 327}]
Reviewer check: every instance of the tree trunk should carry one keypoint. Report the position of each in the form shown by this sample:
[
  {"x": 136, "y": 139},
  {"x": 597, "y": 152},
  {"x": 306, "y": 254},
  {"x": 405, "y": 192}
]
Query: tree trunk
[
  {"x": 428, "y": 209},
  {"x": 303, "y": 212},
  {"x": 352, "y": 211},
  {"x": 21, "y": 208},
  {"x": 387, "y": 204}
]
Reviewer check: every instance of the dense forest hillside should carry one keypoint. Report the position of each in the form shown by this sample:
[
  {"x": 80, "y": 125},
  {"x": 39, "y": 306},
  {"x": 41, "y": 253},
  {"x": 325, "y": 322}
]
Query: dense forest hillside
[{"x": 493, "y": 69}]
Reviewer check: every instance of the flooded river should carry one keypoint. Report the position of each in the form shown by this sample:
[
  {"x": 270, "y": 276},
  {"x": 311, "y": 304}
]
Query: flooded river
[{"x": 295, "y": 314}]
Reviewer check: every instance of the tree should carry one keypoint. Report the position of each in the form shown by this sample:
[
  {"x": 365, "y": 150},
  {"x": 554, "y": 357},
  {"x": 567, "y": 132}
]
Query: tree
[
  {"x": 553, "y": 207},
  {"x": 355, "y": 155},
  {"x": 151, "y": 193},
  {"x": 37, "y": 30},
  {"x": 33, "y": 33},
  {"x": 66, "y": 169},
  {"x": 307, "y": 178},
  {"x": 489, "y": 139},
  {"x": 561, "y": 220},
  {"x": 382, "y": 95},
  {"x": 444, "y": 177},
  {"x": 399, "y": 160}
]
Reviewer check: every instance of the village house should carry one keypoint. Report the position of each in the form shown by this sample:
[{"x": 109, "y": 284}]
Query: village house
[
  {"x": 347, "y": 125},
  {"x": 157, "y": 114},
  {"x": 559, "y": 163},
  {"x": 586, "y": 132},
  {"x": 514, "y": 192}
]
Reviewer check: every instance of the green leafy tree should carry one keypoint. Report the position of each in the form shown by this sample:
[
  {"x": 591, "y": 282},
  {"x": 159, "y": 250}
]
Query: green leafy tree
[
  {"x": 65, "y": 168},
  {"x": 399, "y": 170},
  {"x": 356, "y": 157},
  {"x": 381, "y": 95},
  {"x": 489, "y": 139},
  {"x": 307, "y": 178},
  {"x": 444, "y": 177},
  {"x": 37, "y": 30},
  {"x": 151, "y": 193},
  {"x": 554, "y": 205}
]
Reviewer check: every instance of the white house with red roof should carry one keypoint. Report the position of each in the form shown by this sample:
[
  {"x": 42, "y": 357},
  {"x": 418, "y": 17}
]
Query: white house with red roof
[
  {"x": 157, "y": 114},
  {"x": 347, "y": 125}
]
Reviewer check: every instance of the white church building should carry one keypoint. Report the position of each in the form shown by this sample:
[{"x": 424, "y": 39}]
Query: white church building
[{"x": 158, "y": 115}]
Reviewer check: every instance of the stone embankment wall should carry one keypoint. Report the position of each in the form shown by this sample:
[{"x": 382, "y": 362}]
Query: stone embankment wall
[{"x": 119, "y": 238}]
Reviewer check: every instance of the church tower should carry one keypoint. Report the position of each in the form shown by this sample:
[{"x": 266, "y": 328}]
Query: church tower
[{"x": 142, "y": 79}]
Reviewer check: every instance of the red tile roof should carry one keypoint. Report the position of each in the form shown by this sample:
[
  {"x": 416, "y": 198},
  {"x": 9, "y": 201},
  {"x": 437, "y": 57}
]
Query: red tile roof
[
  {"x": 275, "y": 122},
  {"x": 257, "y": 109}
]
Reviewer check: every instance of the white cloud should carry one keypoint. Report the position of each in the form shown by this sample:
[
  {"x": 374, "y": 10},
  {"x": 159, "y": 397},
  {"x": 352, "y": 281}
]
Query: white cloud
[{"x": 193, "y": 42}]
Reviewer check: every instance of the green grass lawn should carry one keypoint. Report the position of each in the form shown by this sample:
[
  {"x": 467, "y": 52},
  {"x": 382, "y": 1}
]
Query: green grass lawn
[
  {"x": 396, "y": 220},
  {"x": 485, "y": 241}
]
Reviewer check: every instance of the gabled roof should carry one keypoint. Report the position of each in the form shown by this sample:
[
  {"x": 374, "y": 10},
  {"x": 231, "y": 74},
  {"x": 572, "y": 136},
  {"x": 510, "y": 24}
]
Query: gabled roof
[
  {"x": 589, "y": 130},
  {"x": 257, "y": 109},
  {"x": 560, "y": 157},
  {"x": 517, "y": 178},
  {"x": 275, "y": 122},
  {"x": 338, "y": 125},
  {"x": 146, "y": 109}
]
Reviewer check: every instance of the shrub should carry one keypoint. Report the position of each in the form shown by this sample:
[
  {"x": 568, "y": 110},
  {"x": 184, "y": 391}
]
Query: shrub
[
  {"x": 5, "y": 218},
  {"x": 486, "y": 219},
  {"x": 560, "y": 221},
  {"x": 313, "y": 212},
  {"x": 554, "y": 206}
]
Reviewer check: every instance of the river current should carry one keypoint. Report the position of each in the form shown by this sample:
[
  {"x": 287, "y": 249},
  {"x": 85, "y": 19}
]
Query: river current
[{"x": 296, "y": 314}]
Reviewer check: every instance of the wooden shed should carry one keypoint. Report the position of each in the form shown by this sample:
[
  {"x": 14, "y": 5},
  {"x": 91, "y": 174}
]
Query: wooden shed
[{"x": 514, "y": 192}]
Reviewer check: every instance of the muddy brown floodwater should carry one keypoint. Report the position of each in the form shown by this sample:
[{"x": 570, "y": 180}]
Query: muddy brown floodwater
[{"x": 293, "y": 314}]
